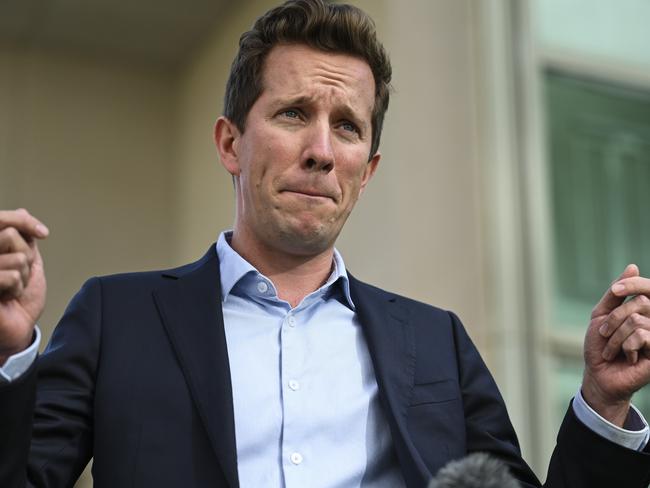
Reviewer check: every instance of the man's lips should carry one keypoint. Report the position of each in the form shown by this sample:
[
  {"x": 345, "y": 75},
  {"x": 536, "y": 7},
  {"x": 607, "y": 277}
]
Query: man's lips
[{"x": 309, "y": 193}]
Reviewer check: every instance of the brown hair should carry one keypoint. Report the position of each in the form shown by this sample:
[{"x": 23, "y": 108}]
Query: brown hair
[{"x": 329, "y": 27}]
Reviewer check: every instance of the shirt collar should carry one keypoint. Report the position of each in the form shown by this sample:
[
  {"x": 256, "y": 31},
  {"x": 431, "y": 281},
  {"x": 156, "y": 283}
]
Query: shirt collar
[{"x": 234, "y": 268}]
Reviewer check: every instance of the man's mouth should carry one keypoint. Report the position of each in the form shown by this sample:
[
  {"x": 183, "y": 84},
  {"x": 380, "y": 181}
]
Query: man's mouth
[{"x": 307, "y": 193}]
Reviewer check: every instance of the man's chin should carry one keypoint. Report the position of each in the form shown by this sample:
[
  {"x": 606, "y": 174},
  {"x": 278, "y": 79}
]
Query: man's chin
[{"x": 307, "y": 240}]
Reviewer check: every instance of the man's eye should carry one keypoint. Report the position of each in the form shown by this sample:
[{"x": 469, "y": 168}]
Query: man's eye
[
  {"x": 292, "y": 114},
  {"x": 349, "y": 126}
]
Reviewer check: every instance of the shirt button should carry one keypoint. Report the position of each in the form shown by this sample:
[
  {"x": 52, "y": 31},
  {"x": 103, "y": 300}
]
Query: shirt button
[
  {"x": 296, "y": 458},
  {"x": 262, "y": 287},
  {"x": 294, "y": 385},
  {"x": 292, "y": 321}
]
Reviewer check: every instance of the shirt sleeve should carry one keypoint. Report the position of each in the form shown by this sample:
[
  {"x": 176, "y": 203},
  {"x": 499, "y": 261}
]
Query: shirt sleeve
[
  {"x": 634, "y": 436},
  {"x": 17, "y": 364}
]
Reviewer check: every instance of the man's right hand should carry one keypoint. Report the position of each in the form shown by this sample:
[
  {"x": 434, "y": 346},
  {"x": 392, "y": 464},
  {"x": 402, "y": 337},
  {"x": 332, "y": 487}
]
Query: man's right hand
[{"x": 22, "y": 280}]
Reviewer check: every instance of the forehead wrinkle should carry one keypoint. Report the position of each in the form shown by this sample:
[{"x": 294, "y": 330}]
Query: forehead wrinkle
[
  {"x": 330, "y": 82},
  {"x": 340, "y": 89},
  {"x": 338, "y": 77},
  {"x": 319, "y": 68}
]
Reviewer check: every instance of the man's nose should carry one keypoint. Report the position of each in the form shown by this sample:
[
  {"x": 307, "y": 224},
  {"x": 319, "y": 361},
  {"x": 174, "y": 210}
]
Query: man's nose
[{"x": 319, "y": 154}]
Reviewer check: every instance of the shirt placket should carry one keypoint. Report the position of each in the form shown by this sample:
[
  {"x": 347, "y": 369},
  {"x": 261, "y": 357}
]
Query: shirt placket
[{"x": 295, "y": 450}]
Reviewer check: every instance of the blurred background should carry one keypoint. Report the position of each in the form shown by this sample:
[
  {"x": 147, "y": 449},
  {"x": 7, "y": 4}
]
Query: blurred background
[{"x": 513, "y": 186}]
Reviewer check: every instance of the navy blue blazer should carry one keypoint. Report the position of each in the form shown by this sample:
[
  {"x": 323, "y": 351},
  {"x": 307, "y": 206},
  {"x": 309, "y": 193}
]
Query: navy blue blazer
[{"x": 136, "y": 375}]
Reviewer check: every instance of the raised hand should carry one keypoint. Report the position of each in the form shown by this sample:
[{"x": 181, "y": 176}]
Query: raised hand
[
  {"x": 22, "y": 280},
  {"x": 617, "y": 347}
]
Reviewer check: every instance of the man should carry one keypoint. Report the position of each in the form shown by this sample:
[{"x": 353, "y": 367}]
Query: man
[{"x": 265, "y": 363}]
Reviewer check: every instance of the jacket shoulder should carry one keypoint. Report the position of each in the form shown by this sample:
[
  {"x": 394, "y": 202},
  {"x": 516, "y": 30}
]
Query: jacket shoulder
[
  {"x": 152, "y": 278},
  {"x": 414, "y": 307}
]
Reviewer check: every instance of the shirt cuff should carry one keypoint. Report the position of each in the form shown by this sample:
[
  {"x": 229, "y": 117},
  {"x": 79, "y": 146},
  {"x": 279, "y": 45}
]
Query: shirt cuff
[
  {"x": 20, "y": 362},
  {"x": 635, "y": 439}
]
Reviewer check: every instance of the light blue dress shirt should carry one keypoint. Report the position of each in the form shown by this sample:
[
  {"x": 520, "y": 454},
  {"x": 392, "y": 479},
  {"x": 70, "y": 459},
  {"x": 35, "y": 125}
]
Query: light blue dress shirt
[{"x": 304, "y": 389}]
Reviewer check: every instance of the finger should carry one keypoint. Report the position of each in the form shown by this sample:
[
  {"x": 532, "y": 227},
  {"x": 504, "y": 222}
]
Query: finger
[
  {"x": 12, "y": 241},
  {"x": 638, "y": 343},
  {"x": 17, "y": 261},
  {"x": 24, "y": 222},
  {"x": 639, "y": 304},
  {"x": 633, "y": 323},
  {"x": 610, "y": 300},
  {"x": 11, "y": 285},
  {"x": 634, "y": 285}
]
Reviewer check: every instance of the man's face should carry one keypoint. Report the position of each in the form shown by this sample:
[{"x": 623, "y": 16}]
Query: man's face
[{"x": 302, "y": 161}]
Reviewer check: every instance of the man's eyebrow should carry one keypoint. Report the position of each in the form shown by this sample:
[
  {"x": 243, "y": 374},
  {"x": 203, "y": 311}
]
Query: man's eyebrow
[{"x": 298, "y": 100}]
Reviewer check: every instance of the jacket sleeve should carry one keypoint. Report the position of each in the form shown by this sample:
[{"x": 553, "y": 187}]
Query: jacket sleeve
[
  {"x": 16, "y": 411},
  {"x": 48, "y": 413},
  {"x": 583, "y": 458}
]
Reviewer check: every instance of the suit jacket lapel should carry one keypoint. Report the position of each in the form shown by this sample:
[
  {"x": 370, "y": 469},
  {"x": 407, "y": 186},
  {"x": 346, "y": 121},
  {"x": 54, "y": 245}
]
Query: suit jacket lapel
[
  {"x": 190, "y": 307},
  {"x": 391, "y": 343}
]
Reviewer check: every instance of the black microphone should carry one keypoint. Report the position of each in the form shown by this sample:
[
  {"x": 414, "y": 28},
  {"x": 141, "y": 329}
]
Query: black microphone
[{"x": 474, "y": 471}]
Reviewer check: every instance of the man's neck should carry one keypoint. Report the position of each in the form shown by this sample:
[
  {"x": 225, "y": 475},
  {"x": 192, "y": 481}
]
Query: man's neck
[{"x": 294, "y": 276}]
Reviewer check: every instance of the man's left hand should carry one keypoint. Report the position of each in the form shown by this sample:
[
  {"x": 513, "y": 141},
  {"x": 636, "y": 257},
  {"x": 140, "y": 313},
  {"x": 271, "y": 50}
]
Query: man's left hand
[{"x": 617, "y": 347}]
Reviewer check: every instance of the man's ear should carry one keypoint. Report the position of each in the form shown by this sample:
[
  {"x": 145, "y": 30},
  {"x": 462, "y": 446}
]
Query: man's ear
[
  {"x": 369, "y": 171},
  {"x": 226, "y": 138}
]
